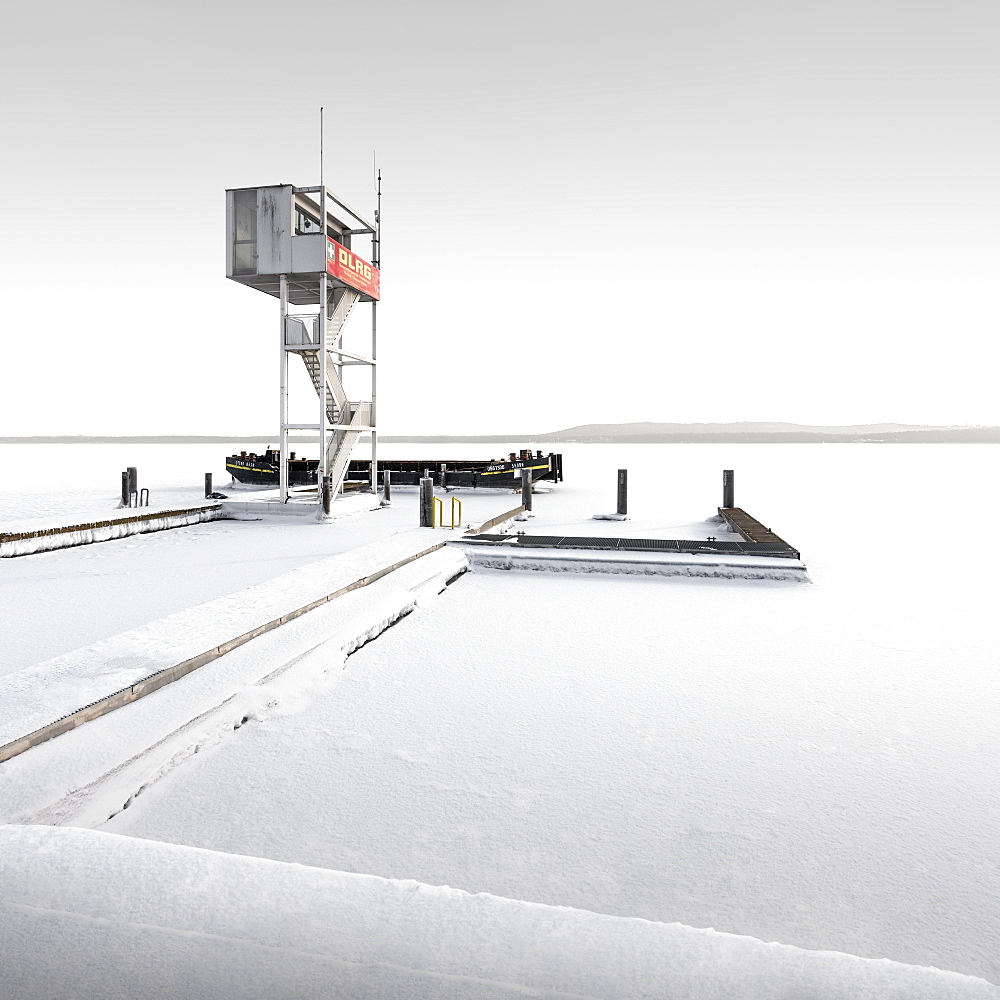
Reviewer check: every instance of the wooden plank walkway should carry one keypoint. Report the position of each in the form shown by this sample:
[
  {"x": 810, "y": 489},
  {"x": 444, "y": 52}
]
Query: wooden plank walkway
[{"x": 749, "y": 527}]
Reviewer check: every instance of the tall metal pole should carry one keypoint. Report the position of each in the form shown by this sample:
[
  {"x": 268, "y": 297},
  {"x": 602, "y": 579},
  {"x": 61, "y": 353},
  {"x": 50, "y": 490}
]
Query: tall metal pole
[
  {"x": 377, "y": 261},
  {"x": 322, "y": 470},
  {"x": 374, "y": 419},
  {"x": 283, "y": 395},
  {"x": 323, "y": 360}
]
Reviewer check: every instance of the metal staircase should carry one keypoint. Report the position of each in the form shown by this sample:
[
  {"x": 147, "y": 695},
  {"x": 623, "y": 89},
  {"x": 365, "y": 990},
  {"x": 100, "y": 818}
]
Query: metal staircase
[
  {"x": 348, "y": 420},
  {"x": 338, "y": 451}
]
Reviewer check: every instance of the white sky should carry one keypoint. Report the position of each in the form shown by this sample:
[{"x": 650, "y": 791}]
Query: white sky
[{"x": 592, "y": 212}]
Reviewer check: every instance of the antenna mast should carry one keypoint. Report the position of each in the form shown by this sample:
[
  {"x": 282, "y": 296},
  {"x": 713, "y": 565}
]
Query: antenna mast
[{"x": 377, "y": 248}]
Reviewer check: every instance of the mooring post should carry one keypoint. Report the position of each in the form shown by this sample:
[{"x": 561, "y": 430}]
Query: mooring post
[
  {"x": 125, "y": 488},
  {"x": 728, "y": 488},
  {"x": 526, "y": 488},
  {"x": 208, "y": 485},
  {"x": 133, "y": 480},
  {"x": 386, "y": 490},
  {"x": 427, "y": 502},
  {"x": 623, "y": 491},
  {"x": 327, "y": 493}
]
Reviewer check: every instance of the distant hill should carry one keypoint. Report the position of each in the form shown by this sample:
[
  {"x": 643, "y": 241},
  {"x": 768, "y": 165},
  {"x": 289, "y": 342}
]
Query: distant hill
[
  {"x": 733, "y": 433},
  {"x": 744, "y": 427}
]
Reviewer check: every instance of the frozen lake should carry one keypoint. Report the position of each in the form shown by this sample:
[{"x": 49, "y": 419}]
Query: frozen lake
[{"x": 809, "y": 763}]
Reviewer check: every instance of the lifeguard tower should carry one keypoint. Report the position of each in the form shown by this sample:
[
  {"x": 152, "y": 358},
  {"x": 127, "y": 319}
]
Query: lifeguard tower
[{"x": 295, "y": 243}]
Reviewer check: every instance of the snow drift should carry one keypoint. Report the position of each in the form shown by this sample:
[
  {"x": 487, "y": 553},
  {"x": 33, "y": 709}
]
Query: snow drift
[{"x": 94, "y": 914}]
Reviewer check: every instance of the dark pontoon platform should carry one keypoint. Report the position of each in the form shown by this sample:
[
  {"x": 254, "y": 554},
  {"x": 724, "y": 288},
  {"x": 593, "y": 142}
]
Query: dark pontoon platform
[
  {"x": 750, "y": 528},
  {"x": 691, "y": 546}
]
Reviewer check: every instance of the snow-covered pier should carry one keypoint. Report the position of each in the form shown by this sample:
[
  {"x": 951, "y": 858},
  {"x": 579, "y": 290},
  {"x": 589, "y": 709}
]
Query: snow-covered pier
[
  {"x": 90, "y": 683},
  {"x": 603, "y": 767},
  {"x": 761, "y": 555},
  {"x": 619, "y": 557},
  {"x": 45, "y": 539}
]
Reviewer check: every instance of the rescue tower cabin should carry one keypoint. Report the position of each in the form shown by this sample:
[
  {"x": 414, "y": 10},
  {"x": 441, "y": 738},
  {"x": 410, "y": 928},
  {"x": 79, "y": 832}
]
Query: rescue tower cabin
[{"x": 295, "y": 243}]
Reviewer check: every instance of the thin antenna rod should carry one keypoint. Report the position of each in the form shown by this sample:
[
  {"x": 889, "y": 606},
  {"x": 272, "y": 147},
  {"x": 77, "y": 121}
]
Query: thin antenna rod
[
  {"x": 320, "y": 147},
  {"x": 377, "y": 239}
]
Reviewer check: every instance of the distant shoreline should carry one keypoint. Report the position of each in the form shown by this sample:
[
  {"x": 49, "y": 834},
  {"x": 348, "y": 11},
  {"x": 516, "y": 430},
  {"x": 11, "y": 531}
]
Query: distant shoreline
[{"x": 610, "y": 435}]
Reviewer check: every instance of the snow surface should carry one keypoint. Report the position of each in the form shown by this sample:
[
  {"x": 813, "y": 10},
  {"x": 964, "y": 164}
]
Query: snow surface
[
  {"x": 814, "y": 764},
  {"x": 66, "y": 599},
  {"x": 599, "y": 745},
  {"x": 173, "y": 922},
  {"x": 77, "y": 679},
  {"x": 87, "y": 774}
]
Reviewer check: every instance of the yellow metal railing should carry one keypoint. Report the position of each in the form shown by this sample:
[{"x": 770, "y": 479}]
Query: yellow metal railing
[{"x": 437, "y": 515}]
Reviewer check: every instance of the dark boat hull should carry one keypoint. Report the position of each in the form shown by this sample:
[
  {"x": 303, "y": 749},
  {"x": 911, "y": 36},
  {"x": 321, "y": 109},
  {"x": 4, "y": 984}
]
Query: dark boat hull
[
  {"x": 262, "y": 470},
  {"x": 466, "y": 473}
]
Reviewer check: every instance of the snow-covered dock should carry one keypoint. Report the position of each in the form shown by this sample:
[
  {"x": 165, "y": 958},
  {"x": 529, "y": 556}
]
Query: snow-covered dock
[
  {"x": 95, "y": 680},
  {"x": 761, "y": 555},
  {"x": 516, "y": 555},
  {"x": 47, "y": 536},
  {"x": 88, "y": 683},
  {"x": 63, "y": 536},
  {"x": 265, "y": 503},
  {"x": 620, "y": 760}
]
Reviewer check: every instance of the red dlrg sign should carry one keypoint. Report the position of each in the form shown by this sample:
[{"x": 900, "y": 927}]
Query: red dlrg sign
[{"x": 351, "y": 269}]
